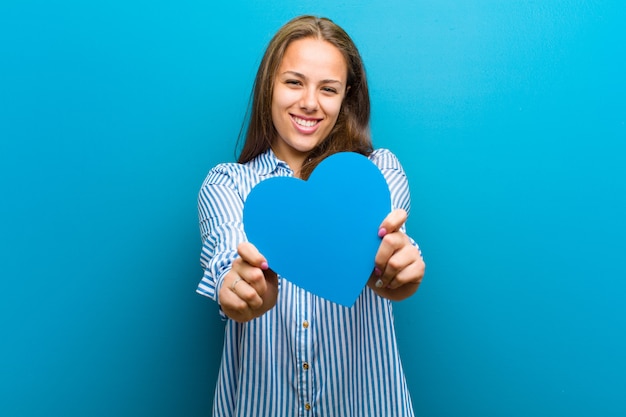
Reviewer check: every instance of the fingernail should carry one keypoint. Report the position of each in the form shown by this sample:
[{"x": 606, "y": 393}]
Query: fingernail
[
  {"x": 264, "y": 266},
  {"x": 382, "y": 232},
  {"x": 379, "y": 283},
  {"x": 377, "y": 271}
]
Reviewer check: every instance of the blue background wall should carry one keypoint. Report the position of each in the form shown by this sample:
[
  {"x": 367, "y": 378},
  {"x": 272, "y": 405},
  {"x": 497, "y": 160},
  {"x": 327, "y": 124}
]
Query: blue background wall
[{"x": 509, "y": 117}]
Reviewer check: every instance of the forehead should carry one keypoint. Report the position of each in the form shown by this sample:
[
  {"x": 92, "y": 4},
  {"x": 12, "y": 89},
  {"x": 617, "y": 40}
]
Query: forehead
[{"x": 314, "y": 57}]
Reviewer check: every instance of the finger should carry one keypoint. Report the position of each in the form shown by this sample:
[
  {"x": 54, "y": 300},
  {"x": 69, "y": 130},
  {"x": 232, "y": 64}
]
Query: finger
[
  {"x": 400, "y": 260},
  {"x": 233, "y": 306},
  {"x": 232, "y": 301},
  {"x": 247, "y": 293},
  {"x": 388, "y": 246},
  {"x": 393, "y": 222},
  {"x": 251, "y": 266},
  {"x": 237, "y": 299},
  {"x": 253, "y": 276},
  {"x": 249, "y": 253},
  {"x": 411, "y": 274}
]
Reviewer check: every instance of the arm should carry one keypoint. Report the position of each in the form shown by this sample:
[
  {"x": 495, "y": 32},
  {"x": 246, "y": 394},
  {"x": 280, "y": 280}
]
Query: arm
[
  {"x": 225, "y": 259},
  {"x": 399, "y": 265}
]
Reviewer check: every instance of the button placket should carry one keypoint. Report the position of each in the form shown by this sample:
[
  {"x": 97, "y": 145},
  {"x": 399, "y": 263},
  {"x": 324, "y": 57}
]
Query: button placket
[{"x": 305, "y": 353}]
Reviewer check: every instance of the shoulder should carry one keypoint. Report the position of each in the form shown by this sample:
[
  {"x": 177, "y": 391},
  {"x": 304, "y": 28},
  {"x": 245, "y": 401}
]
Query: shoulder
[
  {"x": 390, "y": 167},
  {"x": 228, "y": 174},
  {"x": 385, "y": 159},
  {"x": 396, "y": 178},
  {"x": 239, "y": 178},
  {"x": 262, "y": 166}
]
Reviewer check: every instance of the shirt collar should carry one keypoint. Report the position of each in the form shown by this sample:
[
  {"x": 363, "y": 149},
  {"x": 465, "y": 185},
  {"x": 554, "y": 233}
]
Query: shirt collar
[{"x": 267, "y": 162}]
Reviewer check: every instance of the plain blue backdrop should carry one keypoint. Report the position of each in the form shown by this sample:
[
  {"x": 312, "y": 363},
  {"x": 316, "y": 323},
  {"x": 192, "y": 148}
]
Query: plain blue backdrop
[{"x": 509, "y": 117}]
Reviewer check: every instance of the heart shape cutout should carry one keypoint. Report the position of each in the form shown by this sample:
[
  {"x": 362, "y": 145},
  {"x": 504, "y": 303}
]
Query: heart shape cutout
[{"x": 321, "y": 234}]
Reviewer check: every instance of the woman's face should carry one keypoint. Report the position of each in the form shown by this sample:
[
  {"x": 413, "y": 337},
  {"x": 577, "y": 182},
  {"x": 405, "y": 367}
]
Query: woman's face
[{"x": 309, "y": 88}]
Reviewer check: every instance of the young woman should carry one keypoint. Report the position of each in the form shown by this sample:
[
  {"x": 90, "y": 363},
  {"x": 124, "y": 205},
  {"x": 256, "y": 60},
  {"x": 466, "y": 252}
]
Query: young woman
[{"x": 286, "y": 351}]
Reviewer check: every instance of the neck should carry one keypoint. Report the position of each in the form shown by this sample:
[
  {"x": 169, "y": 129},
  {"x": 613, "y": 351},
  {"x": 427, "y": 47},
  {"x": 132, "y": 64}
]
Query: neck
[{"x": 295, "y": 161}]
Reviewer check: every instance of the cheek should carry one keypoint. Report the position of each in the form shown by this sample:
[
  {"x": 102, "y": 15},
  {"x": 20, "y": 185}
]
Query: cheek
[
  {"x": 283, "y": 97},
  {"x": 278, "y": 106},
  {"x": 332, "y": 107}
]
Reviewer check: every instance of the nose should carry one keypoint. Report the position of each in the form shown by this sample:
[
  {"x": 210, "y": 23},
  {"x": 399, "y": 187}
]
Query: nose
[{"x": 308, "y": 101}]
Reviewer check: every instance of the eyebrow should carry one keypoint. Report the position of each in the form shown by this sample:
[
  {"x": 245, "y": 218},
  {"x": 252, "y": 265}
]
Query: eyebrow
[{"x": 299, "y": 75}]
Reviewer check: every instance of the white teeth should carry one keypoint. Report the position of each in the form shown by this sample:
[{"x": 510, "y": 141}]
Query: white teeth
[{"x": 305, "y": 123}]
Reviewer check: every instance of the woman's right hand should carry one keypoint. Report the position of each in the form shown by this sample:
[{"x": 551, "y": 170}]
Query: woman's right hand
[{"x": 250, "y": 288}]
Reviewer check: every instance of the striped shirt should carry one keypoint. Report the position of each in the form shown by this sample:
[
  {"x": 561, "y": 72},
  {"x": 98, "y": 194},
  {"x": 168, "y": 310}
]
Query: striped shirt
[{"x": 306, "y": 356}]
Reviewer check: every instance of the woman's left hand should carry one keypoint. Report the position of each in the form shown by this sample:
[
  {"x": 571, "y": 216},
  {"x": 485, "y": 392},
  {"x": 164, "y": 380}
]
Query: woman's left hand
[{"x": 399, "y": 267}]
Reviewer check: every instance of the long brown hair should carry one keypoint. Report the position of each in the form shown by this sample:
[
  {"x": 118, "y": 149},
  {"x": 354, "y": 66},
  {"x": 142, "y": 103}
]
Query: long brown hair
[{"x": 351, "y": 131}]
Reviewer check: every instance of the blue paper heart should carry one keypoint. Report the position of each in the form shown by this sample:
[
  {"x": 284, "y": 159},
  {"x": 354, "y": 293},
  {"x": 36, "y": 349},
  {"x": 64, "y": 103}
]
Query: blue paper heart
[{"x": 321, "y": 234}]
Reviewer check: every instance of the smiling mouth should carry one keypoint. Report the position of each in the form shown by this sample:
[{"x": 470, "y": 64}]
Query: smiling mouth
[{"x": 304, "y": 122}]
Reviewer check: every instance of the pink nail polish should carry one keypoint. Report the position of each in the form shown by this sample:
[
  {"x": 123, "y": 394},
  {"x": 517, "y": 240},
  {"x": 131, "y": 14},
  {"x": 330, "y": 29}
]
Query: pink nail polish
[
  {"x": 264, "y": 266},
  {"x": 382, "y": 232},
  {"x": 378, "y": 272}
]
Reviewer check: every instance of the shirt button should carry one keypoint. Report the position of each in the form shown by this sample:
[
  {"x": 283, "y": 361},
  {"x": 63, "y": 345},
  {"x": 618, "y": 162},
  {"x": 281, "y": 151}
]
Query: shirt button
[
  {"x": 307, "y": 407},
  {"x": 305, "y": 365},
  {"x": 305, "y": 324}
]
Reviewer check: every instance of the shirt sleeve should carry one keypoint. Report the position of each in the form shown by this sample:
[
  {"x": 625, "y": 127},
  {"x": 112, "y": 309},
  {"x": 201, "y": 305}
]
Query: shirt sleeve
[
  {"x": 397, "y": 181},
  {"x": 396, "y": 178},
  {"x": 220, "y": 208}
]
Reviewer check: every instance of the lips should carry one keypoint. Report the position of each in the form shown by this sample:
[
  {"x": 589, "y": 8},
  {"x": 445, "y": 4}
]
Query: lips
[{"x": 305, "y": 125}]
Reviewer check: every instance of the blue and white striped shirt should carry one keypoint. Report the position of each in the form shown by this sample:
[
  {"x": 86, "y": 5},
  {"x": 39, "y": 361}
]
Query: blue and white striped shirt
[{"x": 306, "y": 356}]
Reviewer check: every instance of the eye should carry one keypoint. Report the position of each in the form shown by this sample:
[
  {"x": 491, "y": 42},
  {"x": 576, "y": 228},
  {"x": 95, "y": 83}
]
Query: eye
[
  {"x": 293, "y": 82},
  {"x": 330, "y": 90}
]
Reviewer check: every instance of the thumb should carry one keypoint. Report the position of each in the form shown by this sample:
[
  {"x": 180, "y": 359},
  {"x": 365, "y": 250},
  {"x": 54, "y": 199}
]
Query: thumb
[
  {"x": 393, "y": 222},
  {"x": 249, "y": 253}
]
